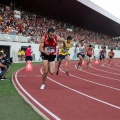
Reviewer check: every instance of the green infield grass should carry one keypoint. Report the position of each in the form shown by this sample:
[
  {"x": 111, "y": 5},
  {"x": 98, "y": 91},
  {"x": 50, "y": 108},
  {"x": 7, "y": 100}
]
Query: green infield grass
[{"x": 12, "y": 105}]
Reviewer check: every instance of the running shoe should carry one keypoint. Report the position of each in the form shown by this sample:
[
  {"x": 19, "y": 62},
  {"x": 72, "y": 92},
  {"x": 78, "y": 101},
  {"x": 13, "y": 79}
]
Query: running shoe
[
  {"x": 42, "y": 87},
  {"x": 80, "y": 68},
  {"x": 66, "y": 73},
  {"x": 3, "y": 78},
  {"x": 77, "y": 66}
]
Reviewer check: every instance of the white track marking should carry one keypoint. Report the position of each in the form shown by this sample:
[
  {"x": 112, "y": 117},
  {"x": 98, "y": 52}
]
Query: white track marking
[
  {"x": 88, "y": 96},
  {"x": 111, "y": 68},
  {"x": 33, "y": 99},
  {"x": 104, "y": 70},
  {"x": 92, "y": 82},
  {"x": 101, "y": 76},
  {"x": 117, "y": 65}
]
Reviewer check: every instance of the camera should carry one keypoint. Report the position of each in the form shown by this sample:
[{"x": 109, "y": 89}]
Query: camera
[{"x": 6, "y": 62}]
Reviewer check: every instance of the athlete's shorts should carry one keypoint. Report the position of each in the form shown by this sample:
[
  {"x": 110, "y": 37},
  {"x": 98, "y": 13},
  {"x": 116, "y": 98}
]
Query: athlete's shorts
[
  {"x": 50, "y": 58},
  {"x": 62, "y": 57},
  {"x": 83, "y": 55},
  {"x": 28, "y": 58},
  {"x": 102, "y": 57},
  {"x": 110, "y": 57},
  {"x": 89, "y": 55}
]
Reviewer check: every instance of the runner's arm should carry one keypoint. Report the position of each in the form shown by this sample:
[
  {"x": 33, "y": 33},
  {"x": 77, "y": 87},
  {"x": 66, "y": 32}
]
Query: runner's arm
[
  {"x": 41, "y": 47},
  {"x": 59, "y": 39},
  {"x": 72, "y": 44},
  {"x": 93, "y": 51},
  {"x": 60, "y": 46},
  {"x": 113, "y": 54},
  {"x": 86, "y": 49},
  {"x": 108, "y": 54},
  {"x": 76, "y": 47},
  {"x": 100, "y": 52}
]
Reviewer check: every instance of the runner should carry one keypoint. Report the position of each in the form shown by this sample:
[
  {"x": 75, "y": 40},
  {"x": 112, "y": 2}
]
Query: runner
[
  {"x": 65, "y": 54},
  {"x": 89, "y": 52},
  {"x": 110, "y": 56},
  {"x": 81, "y": 54},
  {"x": 102, "y": 55},
  {"x": 47, "y": 48}
]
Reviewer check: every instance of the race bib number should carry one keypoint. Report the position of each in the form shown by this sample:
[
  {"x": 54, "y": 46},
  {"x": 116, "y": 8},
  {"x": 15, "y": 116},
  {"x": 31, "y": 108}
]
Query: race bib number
[
  {"x": 50, "y": 49},
  {"x": 111, "y": 55},
  {"x": 82, "y": 53},
  {"x": 65, "y": 50},
  {"x": 103, "y": 53}
]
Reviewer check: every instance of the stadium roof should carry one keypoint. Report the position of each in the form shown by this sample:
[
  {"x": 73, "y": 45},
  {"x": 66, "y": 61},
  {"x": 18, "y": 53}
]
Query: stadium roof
[{"x": 71, "y": 11}]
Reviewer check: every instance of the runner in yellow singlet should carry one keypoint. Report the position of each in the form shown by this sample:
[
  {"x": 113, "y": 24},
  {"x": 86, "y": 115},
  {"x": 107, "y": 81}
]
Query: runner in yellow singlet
[{"x": 64, "y": 53}]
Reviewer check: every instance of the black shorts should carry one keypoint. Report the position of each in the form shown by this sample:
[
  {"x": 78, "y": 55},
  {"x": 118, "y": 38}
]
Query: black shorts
[
  {"x": 62, "y": 57},
  {"x": 28, "y": 58},
  {"x": 110, "y": 57},
  {"x": 102, "y": 57},
  {"x": 83, "y": 55},
  {"x": 89, "y": 55},
  {"x": 50, "y": 58}
]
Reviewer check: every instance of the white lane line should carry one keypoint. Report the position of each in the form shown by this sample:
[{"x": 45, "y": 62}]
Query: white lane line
[
  {"x": 117, "y": 65},
  {"x": 101, "y": 76},
  {"x": 33, "y": 99},
  {"x": 104, "y": 70},
  {"x": 92, "y": 81},
  {"x": 111, "y": 68},
  {"x": 88, "y": 96},
  {"x": 28, "y": 101}
]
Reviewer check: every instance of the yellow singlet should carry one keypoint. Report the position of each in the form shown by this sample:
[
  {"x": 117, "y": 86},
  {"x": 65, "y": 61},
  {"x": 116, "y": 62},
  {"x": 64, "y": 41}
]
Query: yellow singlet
[{"x": 66, "y": 50}]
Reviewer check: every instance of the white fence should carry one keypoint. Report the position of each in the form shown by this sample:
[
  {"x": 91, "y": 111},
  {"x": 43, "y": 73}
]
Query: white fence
[{"x": 14, "y": 38}]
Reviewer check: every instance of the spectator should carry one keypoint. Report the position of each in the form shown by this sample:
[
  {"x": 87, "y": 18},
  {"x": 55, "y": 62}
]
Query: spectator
[
  {"x": 19, "y": 55},
  {"x": 35, "y": 27},
  {"x": 22, "y": 54},
  {"x": 3, "y": 68}
]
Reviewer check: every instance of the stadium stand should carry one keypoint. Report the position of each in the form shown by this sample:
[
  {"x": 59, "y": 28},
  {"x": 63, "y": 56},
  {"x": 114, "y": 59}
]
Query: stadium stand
[{"x": 32, "y": 27}]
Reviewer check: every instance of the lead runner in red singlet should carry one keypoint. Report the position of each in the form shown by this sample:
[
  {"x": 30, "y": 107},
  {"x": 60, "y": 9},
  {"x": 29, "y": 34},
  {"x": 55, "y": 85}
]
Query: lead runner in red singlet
[{"x": 47, "y": 48}]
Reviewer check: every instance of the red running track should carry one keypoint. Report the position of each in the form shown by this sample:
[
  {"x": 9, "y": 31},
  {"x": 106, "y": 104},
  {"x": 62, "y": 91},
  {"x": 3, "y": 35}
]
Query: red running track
[{"x": 90, "y": 94}]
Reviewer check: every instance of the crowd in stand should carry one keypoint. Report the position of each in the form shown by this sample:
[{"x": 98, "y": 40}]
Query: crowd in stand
[{"x": 36, "y": 26}]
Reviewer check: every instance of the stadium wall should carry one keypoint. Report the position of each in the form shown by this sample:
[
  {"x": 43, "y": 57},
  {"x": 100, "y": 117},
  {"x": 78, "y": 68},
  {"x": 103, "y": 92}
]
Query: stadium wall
[{"x": 14, "y": 48}]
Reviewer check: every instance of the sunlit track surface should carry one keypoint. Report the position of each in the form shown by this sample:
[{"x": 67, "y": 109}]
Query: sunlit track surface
[{"x": 90, "y": 94}]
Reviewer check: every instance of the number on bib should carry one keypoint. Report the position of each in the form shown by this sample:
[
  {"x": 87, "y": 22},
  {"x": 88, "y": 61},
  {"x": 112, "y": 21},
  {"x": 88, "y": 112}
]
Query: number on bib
[
  {"x": 49, "y": 49},
  {"x": 65, "y": 50}
]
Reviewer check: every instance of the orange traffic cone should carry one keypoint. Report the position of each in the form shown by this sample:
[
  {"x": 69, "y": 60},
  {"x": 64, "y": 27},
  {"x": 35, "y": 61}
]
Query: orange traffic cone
[{"x": 29, "y": 66}]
